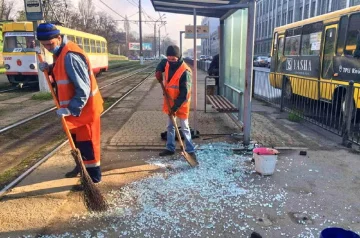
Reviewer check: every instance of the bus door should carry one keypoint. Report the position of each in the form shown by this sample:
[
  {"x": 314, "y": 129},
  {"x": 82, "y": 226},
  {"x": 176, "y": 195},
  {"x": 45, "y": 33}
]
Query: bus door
[
  {"x": 277, "y": 57},
  {"x": 327, "y": 72}
]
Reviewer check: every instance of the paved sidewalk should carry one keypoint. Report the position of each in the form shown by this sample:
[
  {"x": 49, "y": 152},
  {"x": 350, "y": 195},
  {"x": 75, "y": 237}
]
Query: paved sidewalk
[{"x": 142, "y": 130}]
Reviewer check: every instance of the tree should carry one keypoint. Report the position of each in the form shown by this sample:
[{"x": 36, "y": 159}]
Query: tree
[
  {"x": 87, "y": 12},
  {"x": 74, "y": 21},
  {"x": 21, "y": 16},
  {"x": 166, "y": 41},
  {"x": 57, "y": 10},
  {"x": 6, "y": 8}
]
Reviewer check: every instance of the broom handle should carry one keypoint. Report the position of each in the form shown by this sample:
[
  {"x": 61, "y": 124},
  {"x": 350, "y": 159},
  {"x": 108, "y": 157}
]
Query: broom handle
[
  {"x": 66, "y": 129},
  {"x": 171, "y": 116}
]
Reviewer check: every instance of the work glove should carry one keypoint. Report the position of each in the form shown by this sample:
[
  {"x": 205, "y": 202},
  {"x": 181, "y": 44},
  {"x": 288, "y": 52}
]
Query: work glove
[
  {"x": 63, "y": 112},
  {"x": 43, "y": 66},
  {"x": 159, "y": 76}
]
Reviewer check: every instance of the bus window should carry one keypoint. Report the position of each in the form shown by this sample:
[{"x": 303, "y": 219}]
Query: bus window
[
  {"x": 79, "y": 41},
  {"x": 71, "y": 38},
  {"x": 353, "y": 35},
  {"x": 93, "y": 48},
  {"x": 329, "y": 50},
  {"x": 280, "y": 53},
  {"x": 311, "y": 39},
  {"x": 292, "y": 41},
  {"x": 86, "y": 45},
  {"x": 98, "y": 47},
  {"x": 342, "y": 35}
]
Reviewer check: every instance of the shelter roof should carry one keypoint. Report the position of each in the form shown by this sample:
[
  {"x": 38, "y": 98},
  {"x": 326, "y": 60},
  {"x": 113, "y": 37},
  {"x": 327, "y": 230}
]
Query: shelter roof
[{"x": 207, "y": 8}]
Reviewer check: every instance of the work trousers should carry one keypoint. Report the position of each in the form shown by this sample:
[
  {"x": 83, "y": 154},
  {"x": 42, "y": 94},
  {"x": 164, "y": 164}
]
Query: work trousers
[
  {"x": 87, "y": 140},
  {"x": 170, "y": 142}
]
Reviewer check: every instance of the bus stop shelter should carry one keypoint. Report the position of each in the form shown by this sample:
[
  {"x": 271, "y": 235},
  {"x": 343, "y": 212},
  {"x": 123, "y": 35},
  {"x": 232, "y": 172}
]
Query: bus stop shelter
[{"x": 236, "y": 39}]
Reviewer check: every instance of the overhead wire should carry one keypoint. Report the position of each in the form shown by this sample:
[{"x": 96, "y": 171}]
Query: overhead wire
[
  {"x": 134, "y": 4},
  {"x": 112, "y": 9}
]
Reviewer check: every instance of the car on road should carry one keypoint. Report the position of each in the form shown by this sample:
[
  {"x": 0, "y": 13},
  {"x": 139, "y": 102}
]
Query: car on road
[
  {"x": 260, "y": 61},
  {"x": 202, "y": 57}
]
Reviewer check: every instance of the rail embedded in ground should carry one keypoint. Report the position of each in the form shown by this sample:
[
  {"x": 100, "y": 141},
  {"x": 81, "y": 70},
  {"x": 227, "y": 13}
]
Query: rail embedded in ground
[{"x": 46, "y": 157}]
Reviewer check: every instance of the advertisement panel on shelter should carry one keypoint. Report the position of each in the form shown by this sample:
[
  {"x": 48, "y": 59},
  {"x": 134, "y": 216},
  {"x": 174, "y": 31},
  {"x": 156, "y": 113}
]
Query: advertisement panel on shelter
[
  {"x": 201, "y": 31},
  {"x": 136, "y": 46}
]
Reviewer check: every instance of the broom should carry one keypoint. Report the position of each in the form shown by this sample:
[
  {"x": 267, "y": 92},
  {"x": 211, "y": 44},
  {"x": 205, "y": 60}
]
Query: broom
[
  {"x": 93, "y": 199},
  {"x": 193, "y": 162}
]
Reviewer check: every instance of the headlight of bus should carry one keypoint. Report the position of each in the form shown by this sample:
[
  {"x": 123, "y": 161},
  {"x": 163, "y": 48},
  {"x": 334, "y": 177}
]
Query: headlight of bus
[
  {"x": 7, "y": 67},
  {"x": 32, "y": 66}
]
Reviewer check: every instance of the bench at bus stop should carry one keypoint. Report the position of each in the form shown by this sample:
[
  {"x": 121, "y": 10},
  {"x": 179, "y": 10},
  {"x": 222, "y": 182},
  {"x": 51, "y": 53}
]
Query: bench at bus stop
[{"x": 221, "y": 103}]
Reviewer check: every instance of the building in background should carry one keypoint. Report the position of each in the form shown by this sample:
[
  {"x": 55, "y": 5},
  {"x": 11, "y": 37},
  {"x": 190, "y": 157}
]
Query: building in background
[
  {"x": 273, "y": 13},
  {"x": 190, "y": 52},
  {"x": 210, "y": 46}
]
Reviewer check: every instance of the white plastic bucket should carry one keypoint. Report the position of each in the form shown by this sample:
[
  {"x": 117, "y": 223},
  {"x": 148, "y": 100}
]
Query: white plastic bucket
[{"x": 265, "y": 164}]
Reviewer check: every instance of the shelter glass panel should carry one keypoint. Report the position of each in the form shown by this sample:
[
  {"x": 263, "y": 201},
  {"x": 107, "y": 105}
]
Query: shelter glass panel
[{"x": 235, "y": 35}]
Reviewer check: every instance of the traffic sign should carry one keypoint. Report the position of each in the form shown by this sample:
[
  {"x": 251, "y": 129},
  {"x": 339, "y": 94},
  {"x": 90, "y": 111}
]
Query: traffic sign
[
  {"x": 201, "y": 31},
  {"x": 33, "y": 10}
]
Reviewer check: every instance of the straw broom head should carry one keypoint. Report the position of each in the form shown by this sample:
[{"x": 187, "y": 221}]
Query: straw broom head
[{"x": 93, "y": 199}]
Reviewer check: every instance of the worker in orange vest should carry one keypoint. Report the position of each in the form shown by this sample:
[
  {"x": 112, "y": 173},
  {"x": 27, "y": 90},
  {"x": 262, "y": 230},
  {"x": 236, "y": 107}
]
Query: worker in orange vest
[
  {"x": 78, "y": 95},
  {"x": 178, "y": 87}
]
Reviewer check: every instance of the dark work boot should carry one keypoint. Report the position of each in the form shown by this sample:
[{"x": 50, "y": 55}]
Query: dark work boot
[
  {"x": 73, "y": 173},
  {"x": 166, "y": 152}
]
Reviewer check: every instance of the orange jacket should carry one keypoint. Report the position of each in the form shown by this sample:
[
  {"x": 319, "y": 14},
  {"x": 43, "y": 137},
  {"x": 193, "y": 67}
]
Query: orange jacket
[
  {"x": 172, "y": 89},
  {"x": 65, "y": 89}
]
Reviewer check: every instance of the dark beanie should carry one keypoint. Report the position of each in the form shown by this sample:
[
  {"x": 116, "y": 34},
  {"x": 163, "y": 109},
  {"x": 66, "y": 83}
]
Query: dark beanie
[
  {"x": 47, "y": 31},
  {"x": 173, "y": 50}
]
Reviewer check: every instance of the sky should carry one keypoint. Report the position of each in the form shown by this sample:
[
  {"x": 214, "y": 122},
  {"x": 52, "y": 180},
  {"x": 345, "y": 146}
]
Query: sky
[{"x": 174, "y": 22}]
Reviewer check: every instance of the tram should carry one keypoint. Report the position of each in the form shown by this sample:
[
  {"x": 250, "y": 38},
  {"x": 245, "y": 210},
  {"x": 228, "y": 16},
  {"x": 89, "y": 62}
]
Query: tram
[{"x": 19, "y": 51}]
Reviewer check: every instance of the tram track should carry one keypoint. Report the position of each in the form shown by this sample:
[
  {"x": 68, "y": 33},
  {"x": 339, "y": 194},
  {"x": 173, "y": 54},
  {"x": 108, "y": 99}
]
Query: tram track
[
  {"x": 12, "y": 88},
  {"x": 102, "y": 84},
  {"x": 28, "y": 89},
  {"x": 52, "y": 129}
]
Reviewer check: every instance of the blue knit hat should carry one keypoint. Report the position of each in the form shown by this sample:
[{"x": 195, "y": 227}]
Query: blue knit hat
[{"x": 47, "y": 31}]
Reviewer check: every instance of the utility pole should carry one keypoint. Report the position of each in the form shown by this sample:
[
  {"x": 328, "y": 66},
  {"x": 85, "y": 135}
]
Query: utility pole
[
  {"x": 155, "y": 40},
  {"x": 159, "y": 37},
  {"x": 181, "y": 32},
  {"x": 159, "y": 42},
  {"x": 163, "y": 22},
  {"x": 36, "y": 15},
  {"x": 140, "y": 30}
]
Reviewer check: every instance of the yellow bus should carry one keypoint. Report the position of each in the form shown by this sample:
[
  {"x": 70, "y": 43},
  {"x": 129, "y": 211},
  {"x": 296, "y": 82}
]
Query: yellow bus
[
  {"x": 318, "y": 57},
  {"x": 19, "y": 51}
]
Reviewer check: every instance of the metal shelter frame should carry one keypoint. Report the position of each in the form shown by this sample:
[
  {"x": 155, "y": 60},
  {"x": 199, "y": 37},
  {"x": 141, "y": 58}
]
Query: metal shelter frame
[{"x": 218, "y": 9}]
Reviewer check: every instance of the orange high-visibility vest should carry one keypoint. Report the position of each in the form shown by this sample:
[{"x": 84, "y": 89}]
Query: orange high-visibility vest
[
  {"x": 172, "y": 89},
  {"x": 66, "y": 91}
]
